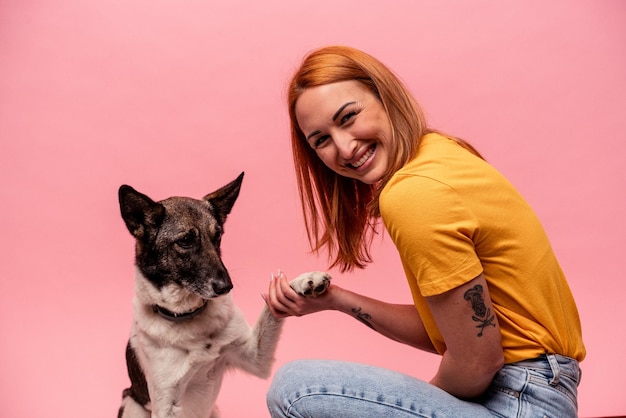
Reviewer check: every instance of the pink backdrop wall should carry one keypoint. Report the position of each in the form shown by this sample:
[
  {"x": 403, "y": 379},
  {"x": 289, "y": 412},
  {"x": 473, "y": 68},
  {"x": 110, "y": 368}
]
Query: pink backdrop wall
[{"x": 179, "y": 97}]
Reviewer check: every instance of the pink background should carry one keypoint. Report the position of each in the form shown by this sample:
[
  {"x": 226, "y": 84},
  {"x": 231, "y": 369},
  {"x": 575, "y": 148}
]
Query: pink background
[{"x": 179, "y": 97}]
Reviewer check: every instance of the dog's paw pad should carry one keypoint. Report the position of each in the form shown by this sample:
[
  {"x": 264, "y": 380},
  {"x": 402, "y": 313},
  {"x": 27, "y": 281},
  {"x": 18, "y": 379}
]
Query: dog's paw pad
[{"x": 311, "y": 284}]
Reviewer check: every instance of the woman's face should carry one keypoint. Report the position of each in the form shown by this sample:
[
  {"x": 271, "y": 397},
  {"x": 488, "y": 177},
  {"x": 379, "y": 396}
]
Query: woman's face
[{"x": 348, "y": 128}]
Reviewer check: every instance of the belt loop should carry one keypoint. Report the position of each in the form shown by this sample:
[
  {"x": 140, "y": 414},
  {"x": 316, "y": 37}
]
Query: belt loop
[{"x": 554, "y": 366}]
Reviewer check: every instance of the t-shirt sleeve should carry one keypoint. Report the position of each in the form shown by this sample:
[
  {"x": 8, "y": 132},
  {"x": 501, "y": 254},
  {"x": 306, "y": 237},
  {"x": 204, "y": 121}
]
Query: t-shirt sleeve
[{"x": 433, "y": 230}]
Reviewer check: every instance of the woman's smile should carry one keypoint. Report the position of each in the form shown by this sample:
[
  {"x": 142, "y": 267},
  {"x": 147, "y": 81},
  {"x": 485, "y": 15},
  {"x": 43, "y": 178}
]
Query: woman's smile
[{"x": 363, "y": 159}]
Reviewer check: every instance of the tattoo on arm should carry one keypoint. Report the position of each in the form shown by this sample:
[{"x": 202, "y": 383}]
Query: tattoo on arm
[
  {"x": 482, "y": 314},
  {"x": 363, "y": 317}
]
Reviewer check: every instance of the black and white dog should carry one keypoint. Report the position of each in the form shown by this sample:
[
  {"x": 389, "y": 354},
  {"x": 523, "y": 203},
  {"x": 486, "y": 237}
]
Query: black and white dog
[{"x": 186, "y": 330}]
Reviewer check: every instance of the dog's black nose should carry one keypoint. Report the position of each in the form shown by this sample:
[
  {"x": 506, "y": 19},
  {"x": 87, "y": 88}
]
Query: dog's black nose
[{"x": 222, "y": 287}]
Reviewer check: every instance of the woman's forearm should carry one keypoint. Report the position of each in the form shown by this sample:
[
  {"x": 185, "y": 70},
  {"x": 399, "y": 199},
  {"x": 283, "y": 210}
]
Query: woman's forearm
[
  {"x": 401, "y": 323},
  {"x": 465, "y": 381}
]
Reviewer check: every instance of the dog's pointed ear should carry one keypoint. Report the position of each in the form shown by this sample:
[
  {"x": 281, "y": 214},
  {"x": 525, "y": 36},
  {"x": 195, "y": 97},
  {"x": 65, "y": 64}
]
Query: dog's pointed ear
[
  {"x": 139, "y": 212},
  {"x": 224, "y": 198}
]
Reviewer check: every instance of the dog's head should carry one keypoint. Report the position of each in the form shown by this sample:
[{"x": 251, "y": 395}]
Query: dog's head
[{"x": 178, "y": 239}]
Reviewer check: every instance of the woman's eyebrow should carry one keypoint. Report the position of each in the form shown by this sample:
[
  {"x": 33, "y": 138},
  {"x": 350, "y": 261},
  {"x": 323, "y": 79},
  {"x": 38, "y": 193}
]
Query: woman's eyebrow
[
  {"x": 312, "y": 134},
  {"x": 336, "y": 115}
]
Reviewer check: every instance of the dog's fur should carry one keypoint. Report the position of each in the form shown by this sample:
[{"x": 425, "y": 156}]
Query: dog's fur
[{"x": 186, "y": 330}]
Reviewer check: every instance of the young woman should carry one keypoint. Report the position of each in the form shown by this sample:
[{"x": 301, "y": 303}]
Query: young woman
[{"x": 489, "y": 295}]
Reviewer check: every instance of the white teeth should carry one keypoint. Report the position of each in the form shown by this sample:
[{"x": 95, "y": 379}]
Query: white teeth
[{"x": 364, "y": 158}]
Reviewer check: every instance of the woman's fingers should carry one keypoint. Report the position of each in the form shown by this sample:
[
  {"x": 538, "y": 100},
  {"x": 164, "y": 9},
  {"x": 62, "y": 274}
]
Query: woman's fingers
[
  {"x": 277, "y": 300},
  {"x": 283, "y": 301}
]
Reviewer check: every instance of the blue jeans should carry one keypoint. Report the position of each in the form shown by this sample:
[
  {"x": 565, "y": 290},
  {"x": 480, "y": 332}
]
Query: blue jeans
[{"x": 542, "y": 387}]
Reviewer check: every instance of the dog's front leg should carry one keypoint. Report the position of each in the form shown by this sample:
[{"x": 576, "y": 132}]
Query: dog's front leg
[
  {"x": 258, "y": 355},
  {"x": 188, "y": 391},
  {"x": 255, "y": 352},
  {"x": 166, "y": 407},
  {"x": 166, "y": 398},
  {"x": 168, "y": 383}
]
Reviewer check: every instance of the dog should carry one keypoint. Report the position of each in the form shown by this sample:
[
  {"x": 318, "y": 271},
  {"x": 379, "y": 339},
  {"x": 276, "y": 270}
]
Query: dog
[{"x": 186, "y": 330}]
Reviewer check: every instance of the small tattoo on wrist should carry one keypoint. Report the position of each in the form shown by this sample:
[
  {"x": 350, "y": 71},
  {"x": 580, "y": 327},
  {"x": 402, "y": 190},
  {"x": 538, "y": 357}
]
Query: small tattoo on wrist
[{"x": 363, "y": 317}]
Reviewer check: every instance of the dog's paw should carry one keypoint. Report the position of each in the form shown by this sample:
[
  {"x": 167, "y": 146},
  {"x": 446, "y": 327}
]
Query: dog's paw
[{"x": 311, "y": 284}]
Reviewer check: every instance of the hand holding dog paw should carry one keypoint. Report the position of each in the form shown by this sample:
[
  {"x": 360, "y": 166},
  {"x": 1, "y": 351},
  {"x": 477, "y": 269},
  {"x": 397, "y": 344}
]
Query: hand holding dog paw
[{"x": 307, "y": 293}]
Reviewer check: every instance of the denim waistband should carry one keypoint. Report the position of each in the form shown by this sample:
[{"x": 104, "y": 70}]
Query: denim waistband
[{"x": 558, "y": 364}]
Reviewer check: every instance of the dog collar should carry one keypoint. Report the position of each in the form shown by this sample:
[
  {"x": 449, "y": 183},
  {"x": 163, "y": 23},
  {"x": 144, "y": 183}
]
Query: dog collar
[{"x": 178, "y": 317}]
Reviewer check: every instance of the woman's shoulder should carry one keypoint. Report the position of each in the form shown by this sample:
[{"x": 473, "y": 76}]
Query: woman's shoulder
[
  {"x": 442, "y": 147},
  {"x": 441, "y": 170},
  {"x": 418, "y": 190},
  {"x": 437, "y": 156}
]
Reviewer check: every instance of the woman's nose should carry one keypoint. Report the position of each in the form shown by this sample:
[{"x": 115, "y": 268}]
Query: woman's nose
[{"x": 345, "y": 143}]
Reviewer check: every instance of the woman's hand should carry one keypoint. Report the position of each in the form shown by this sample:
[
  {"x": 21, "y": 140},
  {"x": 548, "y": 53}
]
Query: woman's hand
[{"x": 283, "y": 301}]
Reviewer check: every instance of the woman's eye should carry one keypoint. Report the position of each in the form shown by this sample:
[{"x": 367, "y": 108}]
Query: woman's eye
[
  {"x": 347, "y": 117},
  {"x": 320, "y": 141}
]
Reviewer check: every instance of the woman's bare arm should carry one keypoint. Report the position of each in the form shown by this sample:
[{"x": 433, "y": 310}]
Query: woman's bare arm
[
  {"x": 470, "y": 329},
  {"x": 399, "y": 322}
]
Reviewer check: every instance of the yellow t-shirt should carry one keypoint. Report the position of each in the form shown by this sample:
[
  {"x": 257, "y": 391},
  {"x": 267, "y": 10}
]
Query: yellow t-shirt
[{"x": 453, "y": 216}]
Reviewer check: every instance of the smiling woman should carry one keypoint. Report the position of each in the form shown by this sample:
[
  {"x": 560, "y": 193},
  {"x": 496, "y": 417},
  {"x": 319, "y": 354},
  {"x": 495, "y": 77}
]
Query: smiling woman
[{"x": 479, "y": 265}]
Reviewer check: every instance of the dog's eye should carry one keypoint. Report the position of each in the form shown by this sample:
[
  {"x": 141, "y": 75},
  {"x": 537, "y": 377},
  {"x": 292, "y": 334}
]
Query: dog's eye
[
  {"x": 188, "y": 241},
  {"x": 217, "y": 236}
]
